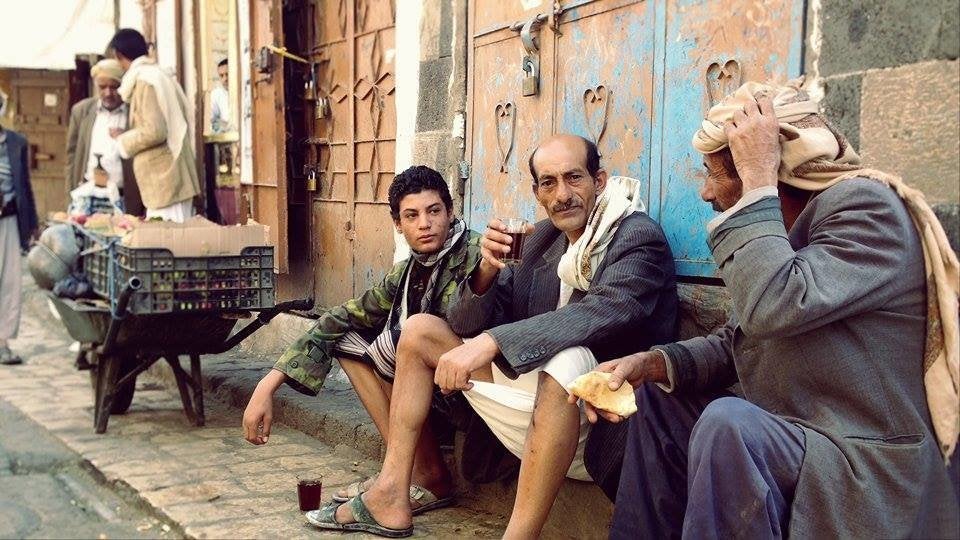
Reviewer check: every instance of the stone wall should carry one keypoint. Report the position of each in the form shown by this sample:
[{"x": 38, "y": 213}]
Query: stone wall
[
  {"x": 890, "y": 76},
  {"x": 441, "y": 118}
]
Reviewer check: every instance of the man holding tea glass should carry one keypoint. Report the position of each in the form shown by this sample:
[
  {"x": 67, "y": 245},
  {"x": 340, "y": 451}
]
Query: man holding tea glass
[{"x": 589, "y": 282}]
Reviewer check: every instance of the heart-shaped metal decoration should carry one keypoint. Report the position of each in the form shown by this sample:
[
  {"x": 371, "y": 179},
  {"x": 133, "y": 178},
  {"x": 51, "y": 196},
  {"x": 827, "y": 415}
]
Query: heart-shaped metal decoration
[
  {"x": 506, "y": 126},
  {"x": 722, "y": 80},
  {"x": 593, "y": 99}
]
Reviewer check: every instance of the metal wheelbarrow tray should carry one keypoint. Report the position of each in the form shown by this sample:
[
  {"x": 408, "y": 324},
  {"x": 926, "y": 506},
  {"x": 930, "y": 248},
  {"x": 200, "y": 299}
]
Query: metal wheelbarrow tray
[{"x": 117, "y": 346}]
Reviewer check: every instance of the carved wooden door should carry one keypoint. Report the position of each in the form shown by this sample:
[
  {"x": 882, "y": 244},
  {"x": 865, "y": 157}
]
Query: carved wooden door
[
  {"x": 350, "y": 151},
  {"x": 634, "y": 76},
  {"x": 268, "y": 194}
]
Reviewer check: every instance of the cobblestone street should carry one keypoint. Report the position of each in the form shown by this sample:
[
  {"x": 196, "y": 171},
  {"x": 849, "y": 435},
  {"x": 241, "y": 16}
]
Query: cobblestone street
[{"x": 207, "y": 481}]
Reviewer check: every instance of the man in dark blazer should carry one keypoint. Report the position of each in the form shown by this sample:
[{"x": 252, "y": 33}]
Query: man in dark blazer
[
  {"x": 91, "y": 121},
  {"x": 18, "y": 221},
  {"x": 831, "y": 434},
  {"x": 526, "y": 326}
]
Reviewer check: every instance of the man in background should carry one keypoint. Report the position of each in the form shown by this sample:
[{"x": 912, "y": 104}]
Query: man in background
[
  {"x": 220, "y": 101},
  {"x": 18, "y": 220},
  {"x": 159, "y": 139},
  {"x": 91, "y": 121}
]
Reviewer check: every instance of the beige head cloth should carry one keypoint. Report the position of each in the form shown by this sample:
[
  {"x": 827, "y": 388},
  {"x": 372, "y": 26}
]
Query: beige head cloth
[
  {"x": 109, "y": 68},
  {"x": 815, "y": 157}
]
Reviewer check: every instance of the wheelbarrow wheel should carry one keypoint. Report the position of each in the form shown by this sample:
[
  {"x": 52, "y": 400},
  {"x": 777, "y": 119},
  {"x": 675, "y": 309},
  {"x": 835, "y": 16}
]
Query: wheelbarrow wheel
[{"x": 124, "y": 395}]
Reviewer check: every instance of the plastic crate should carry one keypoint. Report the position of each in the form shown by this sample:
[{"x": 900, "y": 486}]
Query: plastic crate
[{"x": 180, "y": 284}]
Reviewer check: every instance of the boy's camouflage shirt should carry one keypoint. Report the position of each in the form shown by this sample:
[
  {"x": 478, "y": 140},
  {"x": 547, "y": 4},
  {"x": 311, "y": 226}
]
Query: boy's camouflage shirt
[{"x": 307, "y": 362}]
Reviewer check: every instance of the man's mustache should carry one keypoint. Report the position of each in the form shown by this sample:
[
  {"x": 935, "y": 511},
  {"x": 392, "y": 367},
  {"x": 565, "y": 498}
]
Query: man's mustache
[{"x": 566, "y": 206}]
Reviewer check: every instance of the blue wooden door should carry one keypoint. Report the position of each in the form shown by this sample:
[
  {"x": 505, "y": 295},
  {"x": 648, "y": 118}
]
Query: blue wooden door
[
  {"x": 634, "y": 76},
  {"x": 709, "y": 48}
]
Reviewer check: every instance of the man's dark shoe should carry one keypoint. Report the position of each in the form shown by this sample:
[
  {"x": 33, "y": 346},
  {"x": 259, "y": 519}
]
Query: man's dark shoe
[{"x": 7, "y": 358}]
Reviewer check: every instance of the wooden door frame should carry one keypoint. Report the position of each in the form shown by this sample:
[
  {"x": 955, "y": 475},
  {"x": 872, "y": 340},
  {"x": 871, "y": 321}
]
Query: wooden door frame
[{"x": 274, "y": 115}]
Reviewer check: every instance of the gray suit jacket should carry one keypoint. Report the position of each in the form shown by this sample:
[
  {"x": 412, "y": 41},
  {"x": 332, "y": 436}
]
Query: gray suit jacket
[
  {"x": 632, "y": 300},
  {"x": 82, "y": 116},
  {"x": 829, "y": 334}
]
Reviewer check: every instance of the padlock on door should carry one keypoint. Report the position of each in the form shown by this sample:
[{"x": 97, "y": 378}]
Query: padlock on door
[
  {"x": 531, "y": 82},
  {"x": 310, "y": 86},
  {"x": 312, "y": 179},
  {"x": 321, "y": 109}
]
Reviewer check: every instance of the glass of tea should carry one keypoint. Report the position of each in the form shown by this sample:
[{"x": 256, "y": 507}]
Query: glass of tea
[
  {"x": 308, "y": 492},
  {"x": 516, "y": 228}
]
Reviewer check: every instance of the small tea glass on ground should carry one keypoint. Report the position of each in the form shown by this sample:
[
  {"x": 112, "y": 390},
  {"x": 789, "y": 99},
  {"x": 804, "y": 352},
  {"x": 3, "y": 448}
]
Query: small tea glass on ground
[
  {"x": 516, "y": 228},
  {"x": 308, "y": 493}
]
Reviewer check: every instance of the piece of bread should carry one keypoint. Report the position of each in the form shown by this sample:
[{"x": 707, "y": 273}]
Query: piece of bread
[{"x": 592, "y": 388}]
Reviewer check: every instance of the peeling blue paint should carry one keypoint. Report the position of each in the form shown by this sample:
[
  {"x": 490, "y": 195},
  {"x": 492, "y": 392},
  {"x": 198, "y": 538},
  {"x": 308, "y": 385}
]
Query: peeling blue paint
[{"x": 653, "y": 57}]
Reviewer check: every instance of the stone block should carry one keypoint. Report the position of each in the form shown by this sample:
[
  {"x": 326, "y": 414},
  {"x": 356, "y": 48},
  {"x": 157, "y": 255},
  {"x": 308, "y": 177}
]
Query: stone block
[
  {"x": 841, "y": 105},
  {"x": 949, "y": 45},
  {"x": 703, "y": 308},
  {"x": 909, "y": 126},
  {"x": 277, "y": 336},
  {"x": 432, "y": 109},
  {"x": 885, "y": 33},
  {"x": 447, "y": 23},
  {"x": 180, "y": 494},
  {"x": 428, "y": 148},
  {"x": 431, "y": 22}
]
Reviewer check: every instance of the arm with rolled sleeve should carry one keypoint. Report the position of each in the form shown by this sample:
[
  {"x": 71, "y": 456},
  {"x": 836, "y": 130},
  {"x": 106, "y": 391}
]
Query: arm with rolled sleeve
[{"x": 307, "y": 362}]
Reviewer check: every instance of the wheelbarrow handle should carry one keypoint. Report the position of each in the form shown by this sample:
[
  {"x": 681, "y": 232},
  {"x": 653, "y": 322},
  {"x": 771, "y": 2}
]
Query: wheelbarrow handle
[
  {"x": 117, "y": 315},
  {"x": 264, "y": 319},
  {"x": 304, "y": 304}
]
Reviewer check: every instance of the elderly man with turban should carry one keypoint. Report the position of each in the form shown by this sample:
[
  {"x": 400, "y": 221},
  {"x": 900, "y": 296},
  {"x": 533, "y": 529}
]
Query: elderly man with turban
[
  {"x": 843, "y": 337},
  {"x": 93, "y": 155}
]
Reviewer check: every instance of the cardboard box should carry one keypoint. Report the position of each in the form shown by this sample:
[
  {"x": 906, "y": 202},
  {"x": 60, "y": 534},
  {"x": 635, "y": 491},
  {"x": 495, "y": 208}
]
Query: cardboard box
[{"x": 198, "y": 237}]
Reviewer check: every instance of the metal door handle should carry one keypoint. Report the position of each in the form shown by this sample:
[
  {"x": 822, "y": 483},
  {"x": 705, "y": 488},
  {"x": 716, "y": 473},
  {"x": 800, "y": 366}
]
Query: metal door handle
[{"x": 528, "y": 31}]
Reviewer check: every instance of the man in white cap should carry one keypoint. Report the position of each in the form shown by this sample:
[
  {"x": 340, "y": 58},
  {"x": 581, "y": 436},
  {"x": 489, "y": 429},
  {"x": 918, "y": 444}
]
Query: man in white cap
[
  {"x": 159, "y": 140},
  {"x": 93, "y": 156}
]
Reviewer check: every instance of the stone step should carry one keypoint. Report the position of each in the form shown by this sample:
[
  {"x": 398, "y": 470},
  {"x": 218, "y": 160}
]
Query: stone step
[
  {"x": 336, "y": 417},
  {"x": 206, "y": 481}
]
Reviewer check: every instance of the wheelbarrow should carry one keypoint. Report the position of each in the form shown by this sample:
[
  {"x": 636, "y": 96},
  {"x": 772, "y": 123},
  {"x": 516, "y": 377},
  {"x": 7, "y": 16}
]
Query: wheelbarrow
[{"x": 117, "y": 346}]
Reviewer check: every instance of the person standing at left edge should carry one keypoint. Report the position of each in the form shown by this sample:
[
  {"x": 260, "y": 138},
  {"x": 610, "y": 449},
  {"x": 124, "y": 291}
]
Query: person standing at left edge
[
  {"x": 18, "y": 221},
  {"x": 159, "y": 139}
]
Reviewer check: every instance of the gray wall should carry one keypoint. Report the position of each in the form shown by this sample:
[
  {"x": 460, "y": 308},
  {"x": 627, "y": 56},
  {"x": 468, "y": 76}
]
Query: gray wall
[
  {"x": 441, "y": 107},
  {"x": 891, "y": 82}
]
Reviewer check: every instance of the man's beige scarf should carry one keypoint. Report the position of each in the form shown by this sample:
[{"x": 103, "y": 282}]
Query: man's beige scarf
[
  {"x": 813, "y": 158},
  {"x": 620, "y": 198},
  {"x": 170, "y": 97}
]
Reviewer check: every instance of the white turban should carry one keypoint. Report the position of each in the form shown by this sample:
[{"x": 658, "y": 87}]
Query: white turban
[{"x": 109, "y": 68}]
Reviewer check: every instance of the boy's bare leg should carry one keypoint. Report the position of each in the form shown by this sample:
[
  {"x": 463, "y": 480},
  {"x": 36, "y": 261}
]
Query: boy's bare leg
[
  {"x": 375, "y": 398},
  {"x": 429, "y": 470},
  {"x": 548, "y": 451},
  {"x": 423, "y": 340}
]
